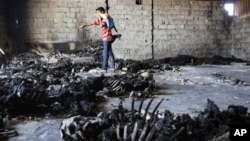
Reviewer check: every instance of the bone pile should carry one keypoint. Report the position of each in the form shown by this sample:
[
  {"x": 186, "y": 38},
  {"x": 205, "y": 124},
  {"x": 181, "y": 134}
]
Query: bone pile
[
  {"x": 137, "y": 86},
  {"x": 142, "y": 125},
  {"x": 32, "y": 84}
]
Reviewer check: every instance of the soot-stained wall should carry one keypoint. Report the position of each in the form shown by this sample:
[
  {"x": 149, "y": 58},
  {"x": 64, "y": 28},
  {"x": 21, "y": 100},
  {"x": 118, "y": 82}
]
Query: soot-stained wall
[
  {"x": 3, "y": 34},
  {"x": 153, "y": 29},
  {"x": 240, "y": 38}
]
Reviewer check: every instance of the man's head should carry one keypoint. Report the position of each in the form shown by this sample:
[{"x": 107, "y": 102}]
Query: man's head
[{"x": 99, "y": 10}]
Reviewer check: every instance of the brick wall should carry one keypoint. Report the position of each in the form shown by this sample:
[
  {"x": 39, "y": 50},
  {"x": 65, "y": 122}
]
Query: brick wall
[
  {"x": 3, "y": 34},
  {"x": 188, "y": 27},
  {"x": 57, "y": 21},
  {"x": 240, "y": 41},
  {"x": 197, "y": 28},
  {"x": 134, "y": 23}
]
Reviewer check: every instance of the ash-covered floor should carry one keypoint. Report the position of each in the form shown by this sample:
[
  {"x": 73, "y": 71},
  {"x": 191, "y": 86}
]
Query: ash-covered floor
[
  {"x": 187, "y": 90},
  {"x": 184, "y": 90}
]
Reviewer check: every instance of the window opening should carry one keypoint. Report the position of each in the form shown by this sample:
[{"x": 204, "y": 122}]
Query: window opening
[{"x": 229, "y": 7}]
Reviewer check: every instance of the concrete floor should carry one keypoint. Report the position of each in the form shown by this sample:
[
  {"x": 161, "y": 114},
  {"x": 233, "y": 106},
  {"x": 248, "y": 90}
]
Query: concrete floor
[{"x": 184, "y": 91}]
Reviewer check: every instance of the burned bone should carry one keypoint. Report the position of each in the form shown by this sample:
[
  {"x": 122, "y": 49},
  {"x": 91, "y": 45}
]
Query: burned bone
[
  {"x": 212, "y": 109},
  {"x": 139, "y": 95},
  {"x": 151, "y": 133},
  {"x": 147, "y": 75},
  {"x": 113, "y": 84},
  {"x": 83, "y": 108},
  {"x": 182, "y": 60},
  {"x": 38, "y": 86},
  {"x": 157, "y": 106},
  {"x": 219, "y": 60},
  {"x": 125, "y": 86},
  {"x": 68, "y": 129},
  {"x": 120, "y": 130},
  {"x": 32, "y": 85},
  {"x": 132, "y": 109},
  {"x": 169, "y": 63},
  {"x": 135, "y": 66},
  {"x": 238, "y": 115},
  {"x": 230, "y": 80},
  {"x": 140, "y": 107},
  {"x": 208, "y": 125},
  {"x": 80, "y": 128},
  {"x": 143, "y": 132},
  {"x": 122, "y": 114},
  {"x": 146, "y": 110},
  {"x": 29, "y": 94},
  {"x": 239, "y": 110},
  {"x": 4, "y": 135}
]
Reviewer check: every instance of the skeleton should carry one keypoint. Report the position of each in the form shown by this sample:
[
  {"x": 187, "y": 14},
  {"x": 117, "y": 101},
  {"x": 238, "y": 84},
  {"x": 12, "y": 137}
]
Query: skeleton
[
  {"x": 27, "y": 82},
  {"x": 119, "y": 124},
  {"x": 141, "y": 125},
  {"x": 136, "y": 86}
]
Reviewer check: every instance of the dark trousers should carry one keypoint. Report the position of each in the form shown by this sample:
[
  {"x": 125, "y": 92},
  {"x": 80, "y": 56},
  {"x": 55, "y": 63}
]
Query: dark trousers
[{"x": 107, "y": 54}]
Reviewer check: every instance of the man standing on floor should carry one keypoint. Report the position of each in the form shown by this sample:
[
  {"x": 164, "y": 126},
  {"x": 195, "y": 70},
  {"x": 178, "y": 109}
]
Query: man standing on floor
[{"x": 106, "y": 36}]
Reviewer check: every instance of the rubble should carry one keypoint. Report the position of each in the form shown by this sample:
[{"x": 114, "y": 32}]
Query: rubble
[
  {"x": 35, "y": 84},
  {"x": 5, "y": 131},
  {"x": 230, "y": 80},
  {"x": 122, "y": 85},
  {"x": 182, "y": 60},
  {"x": 32, "y": 84},
  {"x": 124, "y": 124}
]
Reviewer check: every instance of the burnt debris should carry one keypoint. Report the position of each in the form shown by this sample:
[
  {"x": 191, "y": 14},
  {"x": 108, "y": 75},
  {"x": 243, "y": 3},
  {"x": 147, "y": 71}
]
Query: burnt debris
[
  {"x": 5, "y": 131},
  {"x": 31, "y": 84},
  {"x": 230, "y": 80},
  {"x": 40, "y": 88},
  {"x": 124, "y": 85},
  {"x": 133, "y": 125}
]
